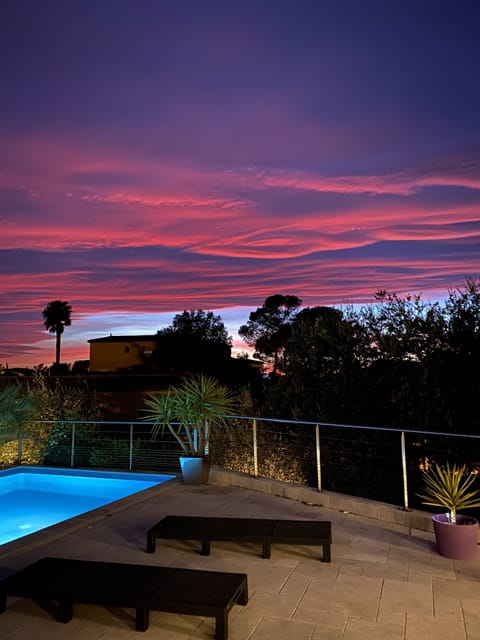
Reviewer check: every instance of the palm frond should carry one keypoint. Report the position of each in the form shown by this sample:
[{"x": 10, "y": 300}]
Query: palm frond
[{"x": 189, "y": 411}]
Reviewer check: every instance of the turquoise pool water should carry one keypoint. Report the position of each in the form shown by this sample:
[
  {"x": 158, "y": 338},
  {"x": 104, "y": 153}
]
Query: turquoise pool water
[{"x": 32, "y": 498}]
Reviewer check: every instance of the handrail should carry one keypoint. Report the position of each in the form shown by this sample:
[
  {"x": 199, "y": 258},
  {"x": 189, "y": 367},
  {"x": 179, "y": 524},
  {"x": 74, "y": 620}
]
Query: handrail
[{"x": 279, "y": 421}]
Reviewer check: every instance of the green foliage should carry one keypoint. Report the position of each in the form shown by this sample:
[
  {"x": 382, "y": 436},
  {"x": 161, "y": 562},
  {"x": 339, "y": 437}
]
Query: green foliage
[
  {"x": 283, "y": 455},
  {"x": 112, "y": 452},
  {"x": 58, "y": 442},
  {"x": 449, "y": 487},
  {"x": 44, "y": 399},
  {"x": 15, "y": 408},
  {"x": 55, "y": 400},
  {"x": 190, "y": 411}
]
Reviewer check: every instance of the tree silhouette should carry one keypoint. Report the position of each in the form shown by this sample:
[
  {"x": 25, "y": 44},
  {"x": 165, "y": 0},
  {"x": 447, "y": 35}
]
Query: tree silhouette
[
  {"x": 204, "y": 325},
  {"x": 268, "y": 328},
  {"x": 56, "y": 317}
]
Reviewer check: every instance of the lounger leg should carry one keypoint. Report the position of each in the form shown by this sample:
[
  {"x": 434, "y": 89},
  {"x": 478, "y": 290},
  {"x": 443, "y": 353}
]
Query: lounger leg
[
  {"x": 243, "y": 596},
  {"x": 151, "y": 540},
  {"x": 266, "y": 551},
  {"x": 221, "y": 625},
  {"x": 205, "y": 547},
  {"x": 326, "y": 552},
  {"x": 142, "y": 619},
  {"x": 65, "y": 613}
]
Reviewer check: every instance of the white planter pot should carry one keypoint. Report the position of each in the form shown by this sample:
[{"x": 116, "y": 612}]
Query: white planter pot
[{"x": 195, "y": 470}]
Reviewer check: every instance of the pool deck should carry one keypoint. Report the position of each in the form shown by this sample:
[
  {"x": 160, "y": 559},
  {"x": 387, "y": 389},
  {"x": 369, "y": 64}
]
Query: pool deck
[{"x": 382, "y": 581}]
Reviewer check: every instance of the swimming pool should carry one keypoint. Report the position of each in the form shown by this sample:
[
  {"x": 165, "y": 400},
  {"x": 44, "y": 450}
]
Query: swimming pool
[{"x": 33, "y": 498}]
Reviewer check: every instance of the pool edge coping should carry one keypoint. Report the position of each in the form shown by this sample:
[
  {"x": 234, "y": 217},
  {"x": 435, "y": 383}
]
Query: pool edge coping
[{"x": 61, "y": 529}]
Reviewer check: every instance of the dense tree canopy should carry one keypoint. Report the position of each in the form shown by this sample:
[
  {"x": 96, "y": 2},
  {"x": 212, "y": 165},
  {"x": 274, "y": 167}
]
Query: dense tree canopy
[
  {"x": 204, "y": 325},
  {"x": 198, "y": 341},
  {"x": 399, "y": 362},
  {"x": 268, "y": 327}
]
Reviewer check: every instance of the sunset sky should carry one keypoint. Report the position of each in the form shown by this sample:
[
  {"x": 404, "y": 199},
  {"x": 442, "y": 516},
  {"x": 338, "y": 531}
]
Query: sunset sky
[{"x": 162, "y": 155}]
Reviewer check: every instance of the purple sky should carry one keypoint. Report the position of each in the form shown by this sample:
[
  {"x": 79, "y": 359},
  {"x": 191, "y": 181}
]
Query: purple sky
[{"x": 158, "y": 155}]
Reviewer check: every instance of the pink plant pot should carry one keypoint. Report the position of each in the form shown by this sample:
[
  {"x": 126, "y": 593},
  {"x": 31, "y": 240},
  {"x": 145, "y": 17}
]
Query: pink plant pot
[{"x": 456, "y": 541}]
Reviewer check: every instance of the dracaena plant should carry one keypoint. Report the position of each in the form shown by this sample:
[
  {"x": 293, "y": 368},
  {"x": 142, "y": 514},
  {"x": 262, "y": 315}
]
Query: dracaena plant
[
  {"x": 189, "y": 412},
  {"x": 449, "y": 487}
]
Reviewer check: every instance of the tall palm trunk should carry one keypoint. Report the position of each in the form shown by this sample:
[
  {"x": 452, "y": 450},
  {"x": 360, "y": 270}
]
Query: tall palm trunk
[{"x": 57, "y": 348}]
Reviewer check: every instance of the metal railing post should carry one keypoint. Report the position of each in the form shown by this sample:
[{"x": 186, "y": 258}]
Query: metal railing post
[
  {"x": 72, "y": 450},
  {"x": 404, "y": 472},
  {"x": 130, "y": 453},
  {"x": 255, "y": 448},
  {"x": 317, "y": 457}
]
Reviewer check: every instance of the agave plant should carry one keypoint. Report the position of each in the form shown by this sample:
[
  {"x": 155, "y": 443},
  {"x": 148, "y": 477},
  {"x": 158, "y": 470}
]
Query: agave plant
[
  {"x": 449, "y": 487},
  {"x": 189, "y": 412}
]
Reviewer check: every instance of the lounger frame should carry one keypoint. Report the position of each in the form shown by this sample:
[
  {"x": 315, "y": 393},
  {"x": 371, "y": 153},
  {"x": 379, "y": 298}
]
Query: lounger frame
[
  {"x": 141, "y": 587},
  {"x": 265, "y": 531}
]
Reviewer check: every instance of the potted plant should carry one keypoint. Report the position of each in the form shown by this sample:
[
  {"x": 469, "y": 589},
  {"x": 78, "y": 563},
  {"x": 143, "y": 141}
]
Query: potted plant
[
  {"x": 456, "y": 535},
  {"x": 189, "y": 412}
]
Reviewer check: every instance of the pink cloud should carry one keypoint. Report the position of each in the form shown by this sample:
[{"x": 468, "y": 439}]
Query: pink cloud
[{"x": 168, "y": 205}]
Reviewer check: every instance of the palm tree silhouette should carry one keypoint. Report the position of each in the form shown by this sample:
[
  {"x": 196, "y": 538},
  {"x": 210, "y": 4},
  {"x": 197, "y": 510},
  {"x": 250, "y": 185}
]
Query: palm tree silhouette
[{"x": 56, "y": 317}]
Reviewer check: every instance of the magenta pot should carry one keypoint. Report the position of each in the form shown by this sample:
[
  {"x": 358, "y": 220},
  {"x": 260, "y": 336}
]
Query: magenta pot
[{"x": 456, "y": 541}]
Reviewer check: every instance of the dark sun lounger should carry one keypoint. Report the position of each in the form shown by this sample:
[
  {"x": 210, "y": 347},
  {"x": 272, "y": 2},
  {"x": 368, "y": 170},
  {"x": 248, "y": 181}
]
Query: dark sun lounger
[
  {"x": 141, "y": 587},
  {"x": 265, "y": 531}
]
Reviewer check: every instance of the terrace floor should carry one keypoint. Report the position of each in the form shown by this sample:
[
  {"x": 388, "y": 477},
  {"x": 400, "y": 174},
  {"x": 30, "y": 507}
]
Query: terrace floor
[{"x": 381, "y": 583}]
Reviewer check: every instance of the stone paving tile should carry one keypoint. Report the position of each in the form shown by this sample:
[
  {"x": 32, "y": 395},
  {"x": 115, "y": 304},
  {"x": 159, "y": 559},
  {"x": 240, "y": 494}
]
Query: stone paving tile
[
  {"x": 316, "y": 569},
  {"x": 316, "y": 608},
  {"x": 436, "y": 566},
  {"x": 269, "y": 628},
  {"x": 406, "y": 597},
  {"x": 468, "y": 570},
  {"x": 447, "y": 607},
  {"x": 282, "y": 606},
  {"x": 395, "y": 570},
  {"x": 330, "y": 628},
  {"x": 358, "y": 629},
  {"x": 11, "y": 625},
  {"x": 295, "y": 586},
  {"x": 422, "y": 627},
  {"x": 351, "y": 567},
  {"x": 471, "y": 612},
  {"x": 168, "y": 626},
  {"x": 267, "y": 577},
  {"x": 364, "y": 549},
  {"x": 446, "y": 598},
  {"x": 350, "y": 596},
  {"x": 242, "y": 625},
  {"x": 408, "y": 554},
  {"x": 357, "y": 596},
  {"x": 285, "y": 561},
  {"x": 321, "y": 585},
  {"x": 459, "y": 587}
]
